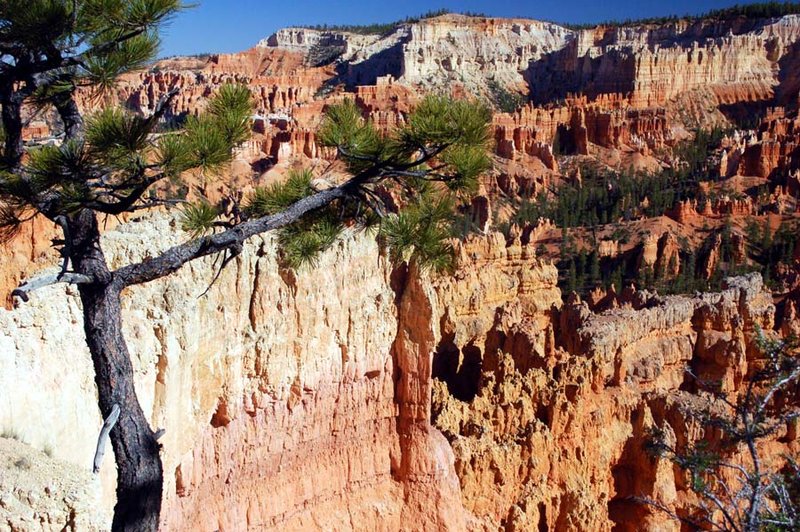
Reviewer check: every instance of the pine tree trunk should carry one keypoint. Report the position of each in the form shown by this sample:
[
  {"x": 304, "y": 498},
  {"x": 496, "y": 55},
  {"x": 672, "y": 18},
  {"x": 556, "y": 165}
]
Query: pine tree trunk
[{"x": 139, "y": 469}]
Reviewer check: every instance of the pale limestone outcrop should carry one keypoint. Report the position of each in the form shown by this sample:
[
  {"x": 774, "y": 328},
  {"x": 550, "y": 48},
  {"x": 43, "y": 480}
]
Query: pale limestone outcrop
[
  {"x": 471, "y": 51},
  {"x": 272, "y": 373},
  {"x": 434, "y": 52},
  {"x": 40, "y": 493},
  {"x": 738, "y": 59}
]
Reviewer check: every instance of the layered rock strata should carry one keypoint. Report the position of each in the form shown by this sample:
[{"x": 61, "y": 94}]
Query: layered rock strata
[
  {"x": 304, "y": 400},
  {"x": 651, "y": 65}
]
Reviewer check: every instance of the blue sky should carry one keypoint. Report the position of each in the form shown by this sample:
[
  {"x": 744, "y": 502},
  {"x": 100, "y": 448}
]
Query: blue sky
[{"x": 235, "y": 25}]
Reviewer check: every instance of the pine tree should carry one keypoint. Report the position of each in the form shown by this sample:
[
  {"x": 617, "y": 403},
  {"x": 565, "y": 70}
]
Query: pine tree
[
  {"x": 109, "y": 162},
  {"x": 572, "y": 277}
]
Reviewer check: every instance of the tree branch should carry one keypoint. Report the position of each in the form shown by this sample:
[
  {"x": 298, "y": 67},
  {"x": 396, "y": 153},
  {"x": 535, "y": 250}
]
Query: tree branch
[
  {"x": 66, "y": 251},
  {"x": 172, "y": 259},
  {"x": 100, "y": 451},
  {"x": 163, "y": 105},
  {"x": 46, "y": 280},
  {"x": 125, "y": 203},
  {"x": 70, "y": 115}
]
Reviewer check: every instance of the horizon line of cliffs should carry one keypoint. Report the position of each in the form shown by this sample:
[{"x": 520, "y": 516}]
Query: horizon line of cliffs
[{"x": 631, "y": 89}]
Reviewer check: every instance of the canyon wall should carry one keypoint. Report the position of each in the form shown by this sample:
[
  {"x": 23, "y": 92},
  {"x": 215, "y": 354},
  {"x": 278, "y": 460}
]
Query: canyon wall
[
  {"x": 548, "y": 407},
  {"x": 276, "y": 390},
  {"x": 624, "y": 96},
  {"x": 432, "y": 52},
  {"x": 362, "y": 395},
  {"x": 304, "y": 400},
  {"x": 738, "y": 60}
]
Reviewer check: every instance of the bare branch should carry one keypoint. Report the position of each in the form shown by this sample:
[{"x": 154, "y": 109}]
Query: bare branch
[
  {"x": 46, "y": 280},
  {"x": 66, "y": 251},
  {"x": 109, "y": 423},
  {"x": 698, "y": 524},
  {"x": 776, "y": 387},
  {"x": 163, "y": 104},
  {"x": 231, "y": 254},
  {"x": 126, "y": 202}
]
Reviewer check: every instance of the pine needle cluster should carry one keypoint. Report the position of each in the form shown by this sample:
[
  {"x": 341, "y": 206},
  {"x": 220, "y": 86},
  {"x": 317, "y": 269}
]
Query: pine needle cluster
[
  {"x": 120, "y": 156},
  {"x": 108, "y": 160},
  {"x": 408, "y": 182}
]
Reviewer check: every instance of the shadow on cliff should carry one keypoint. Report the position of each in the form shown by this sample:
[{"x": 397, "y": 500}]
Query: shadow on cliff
[
  {"x": 557, "y": 75},
  {"x": 786, "y": 93},
  {"x": 634, "y": 475},
  {"x": 746, "y": 114},
  {"x": 460, "y": 369},
  {"x": 386, "y": 62}
]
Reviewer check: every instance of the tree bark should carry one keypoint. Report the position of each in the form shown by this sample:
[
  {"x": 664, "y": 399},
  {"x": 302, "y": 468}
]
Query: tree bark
[
  {"x": 139, "y": 468},
  {"x": 12, "y": 124}
]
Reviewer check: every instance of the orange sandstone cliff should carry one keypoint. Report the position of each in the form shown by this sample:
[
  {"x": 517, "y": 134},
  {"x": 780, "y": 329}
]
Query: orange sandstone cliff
[
  {"x": 370, "y": 397},
  {"x": 359, "y": 395}
]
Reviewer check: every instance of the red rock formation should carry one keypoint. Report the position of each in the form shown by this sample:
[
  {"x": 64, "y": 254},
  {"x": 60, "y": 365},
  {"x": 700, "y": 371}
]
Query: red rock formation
[
  {"x": 606, "y": 122},
  {"x": 776, "y": 151},
  {"x": 31, "y": 245},
  {"x": 685, "y": 212},
  {"x": 473, "y": 401},
  {"x": 653, "y": 64}
]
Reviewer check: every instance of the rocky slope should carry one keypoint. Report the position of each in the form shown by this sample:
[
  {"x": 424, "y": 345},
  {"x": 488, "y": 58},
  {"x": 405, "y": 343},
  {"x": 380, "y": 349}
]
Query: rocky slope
[
  {"x": 433, "y": 52},
  {"x": 739, "y": 60},
  {"x": 358, "y": 395},
  {"x": 624, "y": 96}
]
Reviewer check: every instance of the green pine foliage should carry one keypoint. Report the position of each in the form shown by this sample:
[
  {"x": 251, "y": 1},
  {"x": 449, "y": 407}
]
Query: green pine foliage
[
  {"x": 422, "y": 230},
  {"x": 118, "y": 34},
  {"x": 454, "y": 134},
  {"x": 429, "y": 165},
  {"x": 109, "y": 163},
  {"x": 265, "y": 201},
  {"x": 303, "y": 242},
  {"x": 757, "y": 10},
  {"x": 119, "y": 157},
  {"x": 198, "y": 218},
  {"x": 384, "y": 28},
  {"x": 113, "y": 157},
  {"x": 503, "y": 99}
]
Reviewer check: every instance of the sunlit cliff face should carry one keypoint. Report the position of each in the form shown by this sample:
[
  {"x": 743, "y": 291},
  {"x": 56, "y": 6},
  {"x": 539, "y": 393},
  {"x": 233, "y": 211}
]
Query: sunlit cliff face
[{"x": 366, "y": 395}]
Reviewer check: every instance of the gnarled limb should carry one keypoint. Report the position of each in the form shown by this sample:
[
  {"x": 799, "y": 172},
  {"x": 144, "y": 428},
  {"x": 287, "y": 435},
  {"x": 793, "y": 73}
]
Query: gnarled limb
[
  {"x": 172, "y": 259},
  {"x": 46, "y": 280}
]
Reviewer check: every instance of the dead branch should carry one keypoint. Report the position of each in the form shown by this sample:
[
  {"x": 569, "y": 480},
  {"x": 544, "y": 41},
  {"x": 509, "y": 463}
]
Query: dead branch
[
  {"x": 109, "y": 423},
  {"x": 46, "y": 280}
]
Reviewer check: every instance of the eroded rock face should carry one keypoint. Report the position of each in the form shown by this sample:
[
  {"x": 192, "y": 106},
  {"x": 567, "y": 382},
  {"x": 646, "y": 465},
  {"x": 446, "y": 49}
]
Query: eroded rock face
[
  {"x": 772, "y": 152},
  {"x": 277, "y": 391},
  {"x": 304, "y": 400},
  {"x": 624, "y": 96},
  {"x": 653, "y": 64},
  {"x": 554, "y": 435},
  {"x": 359, "y": 395}
]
